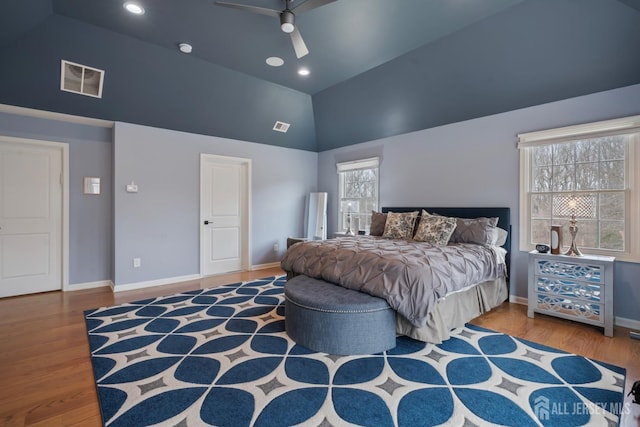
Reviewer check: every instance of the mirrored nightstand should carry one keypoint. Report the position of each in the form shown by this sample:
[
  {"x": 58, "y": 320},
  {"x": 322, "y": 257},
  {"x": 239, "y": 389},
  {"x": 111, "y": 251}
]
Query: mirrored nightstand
[{"x": 577, "y": 288}]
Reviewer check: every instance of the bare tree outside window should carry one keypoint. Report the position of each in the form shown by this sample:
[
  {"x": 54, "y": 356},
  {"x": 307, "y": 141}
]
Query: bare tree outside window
[
  {"x": 596, "y": 167},
  {"x": 358, "y": 194},
  {"x": 597, "y": 162}
]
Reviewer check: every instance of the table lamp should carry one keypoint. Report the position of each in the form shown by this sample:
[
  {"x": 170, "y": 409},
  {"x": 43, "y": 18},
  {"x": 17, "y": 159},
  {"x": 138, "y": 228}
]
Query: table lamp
[{"x": 574, "y": 206}]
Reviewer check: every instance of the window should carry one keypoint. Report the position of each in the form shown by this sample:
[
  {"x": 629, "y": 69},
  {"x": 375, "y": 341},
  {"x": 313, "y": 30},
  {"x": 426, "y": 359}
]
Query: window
[
  {"x": 357, "y": 193},
  {"x": 594, "y": 165}
]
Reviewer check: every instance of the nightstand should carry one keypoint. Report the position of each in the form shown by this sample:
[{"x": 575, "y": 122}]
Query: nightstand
[
  {"x": 293, "y": 240},
  {"x": 572, "y": 287},
  {"x": 344, "y": 234}
]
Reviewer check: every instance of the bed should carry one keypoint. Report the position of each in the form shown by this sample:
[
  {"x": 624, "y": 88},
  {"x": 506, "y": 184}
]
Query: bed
[{"x": 436, "y": 275}]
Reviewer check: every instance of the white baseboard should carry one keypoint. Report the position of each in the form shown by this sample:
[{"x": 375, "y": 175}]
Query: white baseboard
[
  {"x": 265, "y": 266},
  {"x": 627, "y": 323},
  {"x": 152, "y": 283},
  {"x": 518, "y": 300},
  {"x": 88, "y": 285},
  {"x": 618, "y": 321},
  {"x": 174, "y": 280}
]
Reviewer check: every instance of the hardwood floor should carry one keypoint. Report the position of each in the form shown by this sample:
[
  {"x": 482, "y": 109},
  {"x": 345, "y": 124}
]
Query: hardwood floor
[{"x": 46, "y": 372}]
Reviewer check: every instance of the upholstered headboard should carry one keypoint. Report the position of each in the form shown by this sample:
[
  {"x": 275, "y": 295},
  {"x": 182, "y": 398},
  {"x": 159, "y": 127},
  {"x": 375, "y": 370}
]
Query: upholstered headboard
[{"x": 503, "y": 215}]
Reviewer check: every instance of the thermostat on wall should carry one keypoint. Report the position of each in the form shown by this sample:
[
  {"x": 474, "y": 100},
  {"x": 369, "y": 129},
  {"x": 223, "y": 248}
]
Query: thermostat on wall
[{"x": 132, "y": 188}]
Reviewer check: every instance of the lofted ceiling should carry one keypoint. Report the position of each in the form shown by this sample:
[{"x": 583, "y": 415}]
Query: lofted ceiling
[
  {"x": 345, "y": 38},
  {"x": 377, "y": 67}
]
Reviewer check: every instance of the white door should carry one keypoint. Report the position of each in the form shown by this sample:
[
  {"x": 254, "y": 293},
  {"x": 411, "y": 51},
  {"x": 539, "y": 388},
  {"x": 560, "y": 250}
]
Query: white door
[
  {"x": 30, "y": 218},
  {"x": 224, "y": 204}
]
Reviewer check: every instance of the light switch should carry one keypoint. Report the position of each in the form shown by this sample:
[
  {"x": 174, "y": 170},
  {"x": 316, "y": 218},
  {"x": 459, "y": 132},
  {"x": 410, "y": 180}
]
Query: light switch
[{"x": 132, "y": 188}]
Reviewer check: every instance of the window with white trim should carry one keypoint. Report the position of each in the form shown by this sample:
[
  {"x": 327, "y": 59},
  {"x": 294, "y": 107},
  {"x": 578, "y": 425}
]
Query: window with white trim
[
  {"x": 357, "y": 193},
  {"x": 596, "y": 163}
]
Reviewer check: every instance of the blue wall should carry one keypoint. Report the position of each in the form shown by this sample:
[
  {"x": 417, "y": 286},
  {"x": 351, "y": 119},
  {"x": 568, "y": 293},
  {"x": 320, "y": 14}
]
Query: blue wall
[
  {"x": 476, "y": 163},
  {"x": 161, "y": 223},
  {"x": 470, "y": 163},
  {"x": 90, "y": 217}
]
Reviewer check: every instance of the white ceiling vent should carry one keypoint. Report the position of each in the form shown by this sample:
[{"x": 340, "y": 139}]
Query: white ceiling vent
[
  {"x": 281, "y": 127},
  {"x": 81, "y": 79}
]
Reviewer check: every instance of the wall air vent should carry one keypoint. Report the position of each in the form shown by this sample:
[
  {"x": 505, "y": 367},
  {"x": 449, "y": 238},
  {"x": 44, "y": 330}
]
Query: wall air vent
[
  {"x": 281, "y": 127},
  {"x": 81, "y": 79}
]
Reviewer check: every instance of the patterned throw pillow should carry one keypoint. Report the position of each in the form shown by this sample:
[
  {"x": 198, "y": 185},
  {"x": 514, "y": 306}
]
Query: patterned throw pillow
[
  {"x": 399, "y": 225},
  {"x": 435, "y": 229},
  {"x": 378, "y": 221}
]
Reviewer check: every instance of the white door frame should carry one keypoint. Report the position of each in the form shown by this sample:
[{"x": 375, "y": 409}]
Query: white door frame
[
  {"x": 246, "y": 212},
  {"x": 64, "y": 149}
]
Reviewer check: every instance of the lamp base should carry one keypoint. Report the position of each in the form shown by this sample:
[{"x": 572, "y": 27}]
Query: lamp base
[
  {"x": 573, "y": 230},
  {"x": 573, "y": 250}
]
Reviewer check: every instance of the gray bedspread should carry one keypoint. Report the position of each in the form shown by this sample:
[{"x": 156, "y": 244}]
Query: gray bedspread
[{"x": 412, "y": 276}]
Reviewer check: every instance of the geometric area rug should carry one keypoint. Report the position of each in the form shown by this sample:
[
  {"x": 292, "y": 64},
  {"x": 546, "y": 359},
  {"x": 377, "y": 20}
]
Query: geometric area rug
[{"x": 221, "y": 357}]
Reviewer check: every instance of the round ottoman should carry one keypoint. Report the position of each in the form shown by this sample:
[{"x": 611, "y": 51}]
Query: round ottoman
[{"x": 331, "y": 319}]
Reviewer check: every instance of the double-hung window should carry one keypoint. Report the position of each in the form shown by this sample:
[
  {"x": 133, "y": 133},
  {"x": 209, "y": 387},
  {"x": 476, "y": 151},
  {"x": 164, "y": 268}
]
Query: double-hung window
[
  {"x": 357, "y": 193},
  {"x": 590, "y": 172}
]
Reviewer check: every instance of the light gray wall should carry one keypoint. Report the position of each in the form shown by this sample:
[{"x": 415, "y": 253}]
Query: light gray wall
[
  {"x": 90, "y": 217},
  {"x": 476, "y": 163},
  {"x": 161, "y": 223}
]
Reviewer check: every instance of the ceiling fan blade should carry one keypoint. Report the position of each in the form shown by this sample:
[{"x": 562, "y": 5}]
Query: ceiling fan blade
[
  {"x": 248, "y": 8},
  {"x": 310, "y": 4},
  {"x": 298, "y": 44}
]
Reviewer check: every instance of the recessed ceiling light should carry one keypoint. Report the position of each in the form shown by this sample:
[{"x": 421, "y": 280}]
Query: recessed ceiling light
[
  {"x": 185, "y": 47},
  {"x": 275, "y": 61},
  {"x": 304, "y": 71},
  {"x": 134, "y": 8}
]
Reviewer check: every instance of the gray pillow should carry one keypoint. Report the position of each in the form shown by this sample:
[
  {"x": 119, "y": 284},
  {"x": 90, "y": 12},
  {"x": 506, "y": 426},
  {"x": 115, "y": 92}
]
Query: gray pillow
[
  {"x": 481, "y": 231},
  {"x": 378, "y": 220}
]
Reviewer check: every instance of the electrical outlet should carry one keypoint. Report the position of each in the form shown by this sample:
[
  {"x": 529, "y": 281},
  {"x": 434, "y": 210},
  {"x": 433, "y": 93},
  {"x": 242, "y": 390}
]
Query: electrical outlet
[
  {"x": 276, "y": 247},
  {"x": 136, "y": 262}
]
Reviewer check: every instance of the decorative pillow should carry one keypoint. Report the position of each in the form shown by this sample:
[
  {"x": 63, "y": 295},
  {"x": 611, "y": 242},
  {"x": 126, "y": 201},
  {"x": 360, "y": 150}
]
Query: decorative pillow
[
  {"x": 400, "y": 225},
  {"x": 378, "y": 220},
  {"x": 435, "y": 229},
  {"x": 481, "y": 231}
]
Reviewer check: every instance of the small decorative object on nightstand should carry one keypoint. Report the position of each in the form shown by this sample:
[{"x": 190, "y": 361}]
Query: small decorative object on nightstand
[
  {"x": 541, "y": 248},
  {"x": 574, "y": 288},
  {"x": 556, "y": 239}
]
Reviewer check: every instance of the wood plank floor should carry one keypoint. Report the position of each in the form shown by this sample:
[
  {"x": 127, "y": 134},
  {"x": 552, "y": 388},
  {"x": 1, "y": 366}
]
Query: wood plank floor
[{"x": 45, "y": 369}]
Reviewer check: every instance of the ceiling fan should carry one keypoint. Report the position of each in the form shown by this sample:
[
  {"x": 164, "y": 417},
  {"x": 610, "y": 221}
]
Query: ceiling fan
[{"x": 287, "y": 18}]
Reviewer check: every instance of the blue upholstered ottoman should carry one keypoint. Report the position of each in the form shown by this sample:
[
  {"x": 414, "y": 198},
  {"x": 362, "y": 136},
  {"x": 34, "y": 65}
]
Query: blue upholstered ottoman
[{"x": 331, "y": 319}]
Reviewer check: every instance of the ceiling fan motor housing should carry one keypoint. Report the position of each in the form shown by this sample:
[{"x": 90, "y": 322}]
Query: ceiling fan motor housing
[{"x": 287, "y": 21}]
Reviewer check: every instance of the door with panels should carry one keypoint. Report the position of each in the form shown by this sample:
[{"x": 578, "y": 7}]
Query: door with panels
[{"x": 30, "y": 217}]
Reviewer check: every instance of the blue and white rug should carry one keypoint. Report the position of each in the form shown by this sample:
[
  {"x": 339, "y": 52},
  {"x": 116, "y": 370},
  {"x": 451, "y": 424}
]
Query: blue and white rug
[{"x": 221, "y": 357}]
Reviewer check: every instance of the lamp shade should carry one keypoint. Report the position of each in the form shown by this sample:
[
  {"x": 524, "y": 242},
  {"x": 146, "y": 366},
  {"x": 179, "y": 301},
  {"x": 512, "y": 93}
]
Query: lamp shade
[{"x": 575, "y": 205}]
